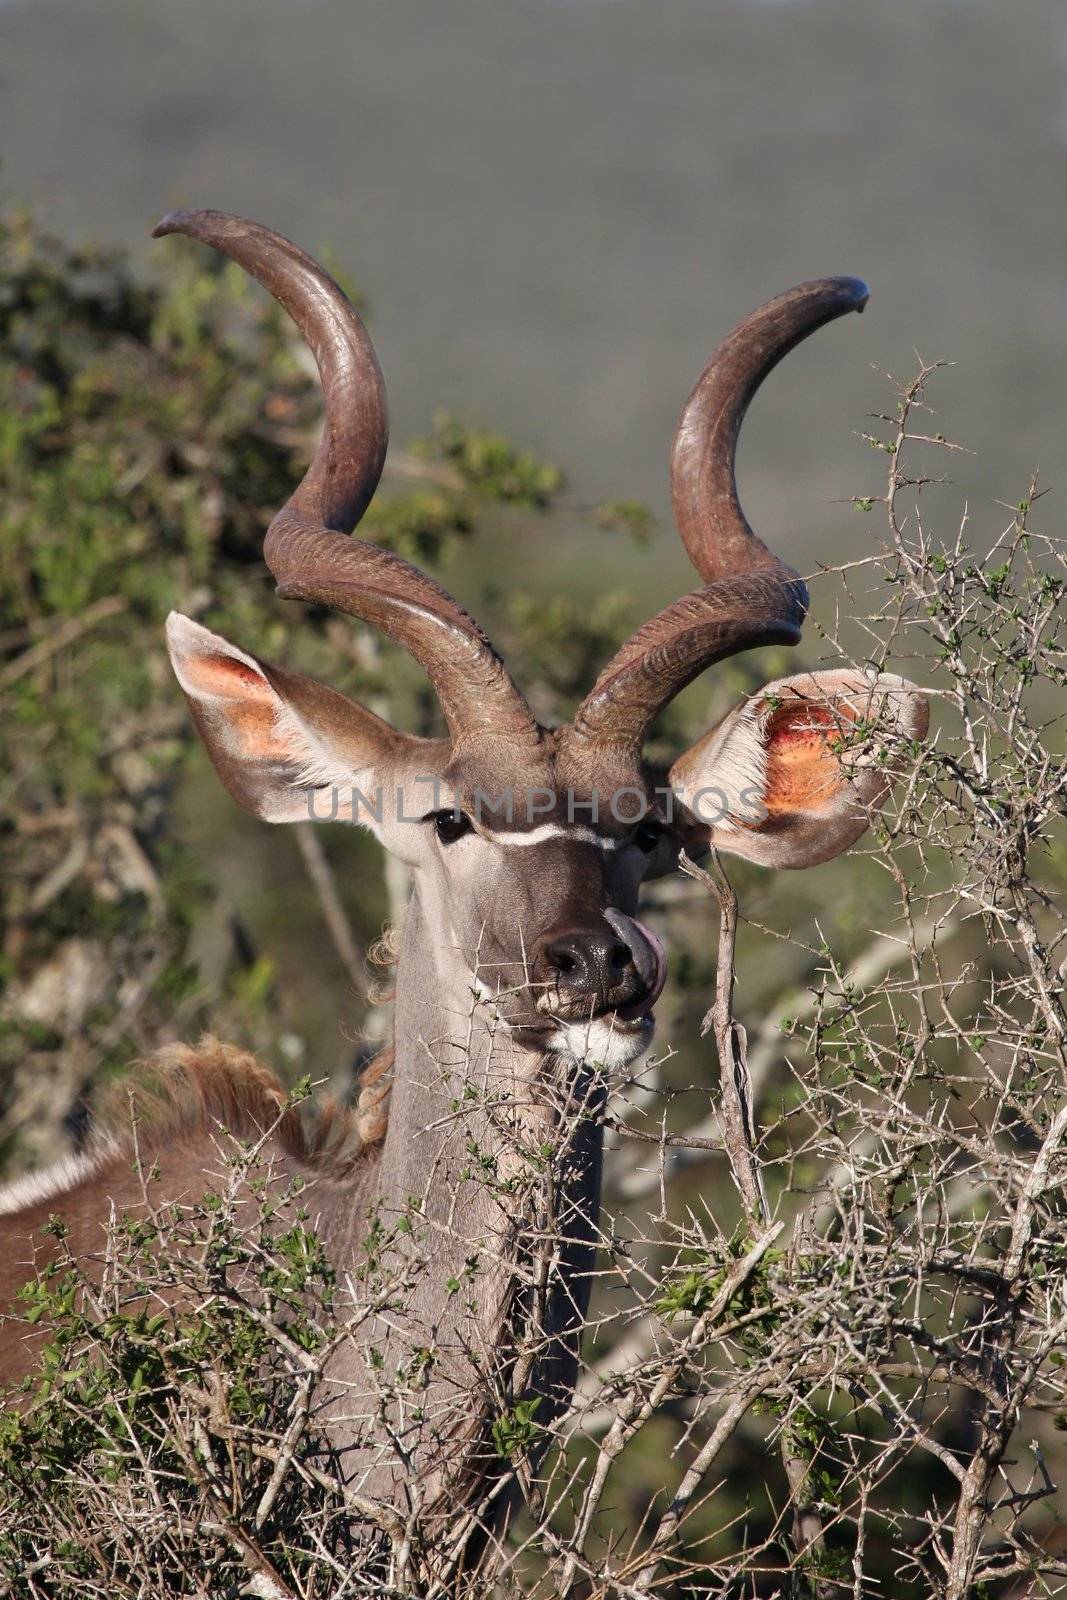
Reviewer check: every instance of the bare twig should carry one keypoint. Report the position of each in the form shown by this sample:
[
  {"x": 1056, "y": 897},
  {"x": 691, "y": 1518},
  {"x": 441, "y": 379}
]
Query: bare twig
[{"x": 320, "y": 874}]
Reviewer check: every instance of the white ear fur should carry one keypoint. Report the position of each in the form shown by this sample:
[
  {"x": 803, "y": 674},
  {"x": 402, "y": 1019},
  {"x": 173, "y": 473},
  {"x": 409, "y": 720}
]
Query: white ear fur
[
  {"x": 768, "y": 783},
  {"x": 287, "y": 748}
]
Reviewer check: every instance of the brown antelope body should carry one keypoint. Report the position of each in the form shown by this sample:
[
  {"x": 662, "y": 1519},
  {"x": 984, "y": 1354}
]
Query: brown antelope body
[{"x": 524, "y": 974}]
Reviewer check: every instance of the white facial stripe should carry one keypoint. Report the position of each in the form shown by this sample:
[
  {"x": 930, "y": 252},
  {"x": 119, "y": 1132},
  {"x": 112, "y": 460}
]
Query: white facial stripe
[{"x": 556, "y": 830}]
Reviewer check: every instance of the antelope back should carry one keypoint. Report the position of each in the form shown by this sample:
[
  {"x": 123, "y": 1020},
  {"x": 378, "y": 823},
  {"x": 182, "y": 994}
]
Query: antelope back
[{"x": 169, "y": 1137}]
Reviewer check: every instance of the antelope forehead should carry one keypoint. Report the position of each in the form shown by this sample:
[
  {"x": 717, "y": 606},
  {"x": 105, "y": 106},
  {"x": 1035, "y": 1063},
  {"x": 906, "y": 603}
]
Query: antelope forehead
[{"x": 516, "y": 801}]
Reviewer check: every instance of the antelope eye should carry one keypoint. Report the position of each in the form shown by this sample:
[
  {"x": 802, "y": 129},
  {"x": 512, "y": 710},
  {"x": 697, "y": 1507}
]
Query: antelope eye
[
  {"x": 647, "y": 835},
  {"x": 451, "y": 825}
]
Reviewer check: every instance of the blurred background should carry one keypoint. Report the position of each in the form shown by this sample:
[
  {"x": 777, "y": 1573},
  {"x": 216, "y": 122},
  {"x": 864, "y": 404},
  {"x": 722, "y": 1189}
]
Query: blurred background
[
  {"x": 554, "y": 207},
  {"x": 550, "y": 210}
]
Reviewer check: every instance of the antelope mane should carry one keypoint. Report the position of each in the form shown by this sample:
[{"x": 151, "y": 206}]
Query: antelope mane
[{"x": 185, "y": 1093}]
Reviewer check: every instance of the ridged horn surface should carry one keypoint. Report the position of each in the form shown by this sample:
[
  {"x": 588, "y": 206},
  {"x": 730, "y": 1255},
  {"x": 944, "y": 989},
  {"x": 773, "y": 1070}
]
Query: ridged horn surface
[{"x": 308, "y": 548}]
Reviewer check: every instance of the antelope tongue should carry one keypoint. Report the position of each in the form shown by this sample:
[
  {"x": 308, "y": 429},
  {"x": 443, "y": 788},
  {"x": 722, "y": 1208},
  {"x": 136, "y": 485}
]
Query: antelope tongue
[{"x": 653, "y": 968}]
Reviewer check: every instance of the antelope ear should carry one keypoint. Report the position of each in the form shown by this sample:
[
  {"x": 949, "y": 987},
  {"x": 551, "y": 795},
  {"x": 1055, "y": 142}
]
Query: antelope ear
[
  {"x": 776, "y": 782},
  {"x": 287, "y": 748}
]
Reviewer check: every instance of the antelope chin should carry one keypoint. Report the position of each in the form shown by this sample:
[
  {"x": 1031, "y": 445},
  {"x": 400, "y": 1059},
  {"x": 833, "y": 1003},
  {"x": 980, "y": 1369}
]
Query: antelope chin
[{"x": 610, "y": 1041}]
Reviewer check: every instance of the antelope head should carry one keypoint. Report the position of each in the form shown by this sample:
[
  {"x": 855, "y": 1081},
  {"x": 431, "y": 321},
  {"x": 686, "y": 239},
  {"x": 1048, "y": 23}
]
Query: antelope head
[{"x": 530, "y": 844}]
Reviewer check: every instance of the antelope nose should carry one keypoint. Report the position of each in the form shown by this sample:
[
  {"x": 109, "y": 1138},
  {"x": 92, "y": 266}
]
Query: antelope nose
[{"x": 589, "y": 961}]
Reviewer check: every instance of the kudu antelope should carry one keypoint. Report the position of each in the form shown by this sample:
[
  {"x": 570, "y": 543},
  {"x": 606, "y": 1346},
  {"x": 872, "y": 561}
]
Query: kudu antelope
[{"x": 524, "y": 973}]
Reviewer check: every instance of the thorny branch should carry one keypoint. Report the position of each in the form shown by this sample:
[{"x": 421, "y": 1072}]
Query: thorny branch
[
  {"x": 731, "y": 1044},
  {"x": 735, "y": 1087}
]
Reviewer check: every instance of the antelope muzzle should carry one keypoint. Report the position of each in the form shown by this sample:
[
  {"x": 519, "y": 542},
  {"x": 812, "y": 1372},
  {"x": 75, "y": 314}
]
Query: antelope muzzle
[{"x": 615, "y": 965}]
